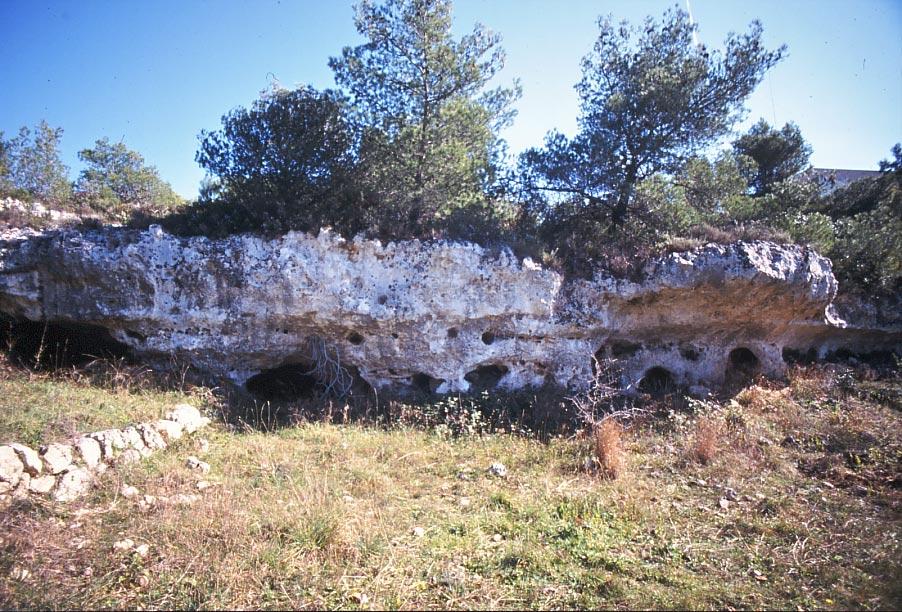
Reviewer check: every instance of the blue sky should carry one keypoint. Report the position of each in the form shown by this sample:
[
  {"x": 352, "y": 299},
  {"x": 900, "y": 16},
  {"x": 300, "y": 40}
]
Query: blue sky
[{"x": 155, "y": 73}]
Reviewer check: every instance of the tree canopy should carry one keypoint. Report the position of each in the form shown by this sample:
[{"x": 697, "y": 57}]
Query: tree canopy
[
  {"x": 778, "y": 154},
  {"x": 285, "y": 163},
  {"x": 115, "y": 177},
  {"x": 34, "y": 165},
  {"x": 650, "y": 100},
  {"x": 426, "y": 124}
]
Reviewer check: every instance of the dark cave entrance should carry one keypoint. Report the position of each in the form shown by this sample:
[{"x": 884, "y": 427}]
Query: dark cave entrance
[
  {"x": 285, "y": 383},
  {"x": 485, "y": 377},
  {"x": 657, "y": 382},
  {"x": 54, "y": 345}
]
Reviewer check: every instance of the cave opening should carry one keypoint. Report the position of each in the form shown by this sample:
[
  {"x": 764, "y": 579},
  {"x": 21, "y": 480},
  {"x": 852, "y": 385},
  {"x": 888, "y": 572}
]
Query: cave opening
[
  {"x": 485, "y": 377},
  {"x": 424, "y": 383},
  {"x": 657, "y": 381},
  {"x": 289, "y": 382},
  {"x": 743, "y": 360},
  {"x": 54, "y": 345}
]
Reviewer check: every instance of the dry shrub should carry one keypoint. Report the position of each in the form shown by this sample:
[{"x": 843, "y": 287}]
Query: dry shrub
[
  {"x": 607, "y": 438},
  {"x": 760, "y": 398},
  {"x": 707, "y": 440}
]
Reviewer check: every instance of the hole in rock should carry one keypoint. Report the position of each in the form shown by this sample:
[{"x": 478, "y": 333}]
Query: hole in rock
[
  {"x": 690, "y": 353},
  {"x": 488, "y": 337},
  {"x": 424, "y": 383},
  {"x": 135, "y": 335},
  {"x": 623, "y": 348},
  {"x": 742, "y": 366},
  {"x": 452, "y": 332},
  {"x": 485, "y": 377},
  {"x": 355, "y": 338},
  {"x": 791, "y": 355},
  {"x": 744, "y": 360},
  {"x": 657, "y": 381},
  {"x": 382, "y": 300},
  {"x": 38, "y": 344},
  {"x": 285, "y": 383}
]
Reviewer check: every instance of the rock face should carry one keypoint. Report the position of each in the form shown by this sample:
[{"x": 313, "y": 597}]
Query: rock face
[{"x": 440, "y": 316}]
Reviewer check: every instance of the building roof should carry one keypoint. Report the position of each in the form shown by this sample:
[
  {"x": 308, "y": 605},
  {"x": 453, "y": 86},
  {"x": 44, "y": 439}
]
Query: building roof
[{"x": 831, "y": 179}]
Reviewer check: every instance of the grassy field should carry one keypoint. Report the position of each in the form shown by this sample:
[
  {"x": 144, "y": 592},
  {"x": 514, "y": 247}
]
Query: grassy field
[{"x": 786, "y": 496}]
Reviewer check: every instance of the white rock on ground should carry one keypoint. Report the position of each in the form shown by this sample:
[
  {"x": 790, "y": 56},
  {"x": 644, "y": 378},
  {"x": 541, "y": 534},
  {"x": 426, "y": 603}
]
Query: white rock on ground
[
  {"x": 42, "y": 484},
  {"x": 498, "y": 469},
  {"x": 188, "y": 417},
  {"x": 111, "y": 441},
  {"x": 90, "y": 452},
  {"x": 136, "y": 441},
  {"x": 30, "y": 458},
  {"x": 196, "y": 464},
  {"x": 152, "y": 438},
  {"x": 73, "y": 484},
  {"x": 11, "y": 468},
  {"x": 170, "y": 430},
  {"x": 128, "y": 456},
  {"x": 57, "y": 457}
]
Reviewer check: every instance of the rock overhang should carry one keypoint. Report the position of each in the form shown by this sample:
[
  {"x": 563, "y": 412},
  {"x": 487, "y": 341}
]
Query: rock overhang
[{"x": 441, "y": 310}]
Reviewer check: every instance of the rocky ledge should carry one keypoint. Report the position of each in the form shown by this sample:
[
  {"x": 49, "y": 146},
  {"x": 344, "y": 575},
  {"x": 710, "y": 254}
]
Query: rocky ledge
[{"x": 440, "y": 316}]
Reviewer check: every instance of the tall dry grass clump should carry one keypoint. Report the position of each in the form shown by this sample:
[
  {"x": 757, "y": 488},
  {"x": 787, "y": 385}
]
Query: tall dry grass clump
[
  {"x": 608, "y": 447},
  {"x": 706, "y": 442}
]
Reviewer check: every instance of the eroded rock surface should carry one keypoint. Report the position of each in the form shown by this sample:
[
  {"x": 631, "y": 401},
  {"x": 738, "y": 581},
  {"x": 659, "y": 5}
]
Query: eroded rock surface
[{"x": 439, "y": 316}]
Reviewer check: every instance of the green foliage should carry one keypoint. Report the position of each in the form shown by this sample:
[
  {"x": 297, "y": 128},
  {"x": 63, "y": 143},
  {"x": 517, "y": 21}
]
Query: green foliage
[
  {"x": 33, "y": 165},
  {"x": 5, "y": 182},
  {"x": 867, "y": 254},
  {"x": 650, "y": 100},
  {"x": 778, "y": 155},
  {"x": 285, "y": 163},
  {"x": 116, "y": 181},
  {"x": 426, "y": 124}
]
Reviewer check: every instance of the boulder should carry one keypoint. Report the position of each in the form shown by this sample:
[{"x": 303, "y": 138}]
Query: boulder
[
  {"x": 57, "y": 457},
  {"x": 73, "y": 484},
  {"x": 188, "y": 417},
  {"x": 152, "y": 438},
  {"x": 29, "y": 458},
  {"x": 170, "y": 430},
  {"x": 90, "y": 452},
  {"x": 111, "y": 441},
  {"x": 11, "y": 467},
  {"x": 42, "y": 484}
]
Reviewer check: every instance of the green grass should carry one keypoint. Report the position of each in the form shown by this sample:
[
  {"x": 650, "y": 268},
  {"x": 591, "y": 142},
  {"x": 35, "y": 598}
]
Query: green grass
[
  {"x": 37, "y": 409},
  {"x": 324, "y": 516}
]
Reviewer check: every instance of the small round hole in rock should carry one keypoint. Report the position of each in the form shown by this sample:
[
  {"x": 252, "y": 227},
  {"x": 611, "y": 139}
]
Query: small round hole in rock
[
  {"x": 452, "y": 333},
  {"x": 382, "y": 300},
  {"x": 488, "y": 337},
  {"x": 355, "y": 338}
]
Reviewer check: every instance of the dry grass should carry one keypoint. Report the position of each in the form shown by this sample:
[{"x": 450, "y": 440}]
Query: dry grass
[
  {"x": 608, "y": 447},
  {"x": 324, "y": 516},
  {"x": 707, "y": 440}
]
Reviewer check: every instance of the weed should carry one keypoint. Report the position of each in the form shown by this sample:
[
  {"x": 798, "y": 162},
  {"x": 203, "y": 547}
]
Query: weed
[
  {"x": 608, "y": 447},
  {"x": 707, "y": 440}
]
